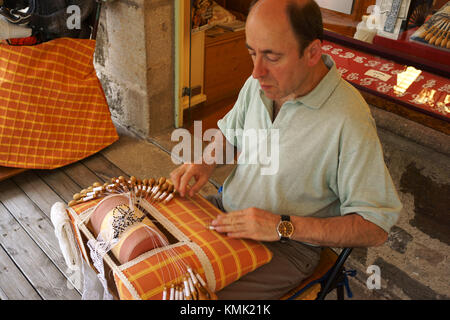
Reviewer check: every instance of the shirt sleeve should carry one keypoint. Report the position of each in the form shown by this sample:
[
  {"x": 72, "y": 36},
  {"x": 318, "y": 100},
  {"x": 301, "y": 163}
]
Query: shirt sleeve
[
  {"x": 232, "y": 124},
  {"x": 364, "y": 183}
]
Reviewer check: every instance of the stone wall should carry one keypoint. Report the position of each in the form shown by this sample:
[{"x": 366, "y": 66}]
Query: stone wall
[
  {"x": 135, "y": 63},
  {"x": 414, "y": 262}
]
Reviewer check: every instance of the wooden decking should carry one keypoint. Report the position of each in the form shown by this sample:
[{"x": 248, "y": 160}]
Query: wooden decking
[{"x": 31, "y": 263}]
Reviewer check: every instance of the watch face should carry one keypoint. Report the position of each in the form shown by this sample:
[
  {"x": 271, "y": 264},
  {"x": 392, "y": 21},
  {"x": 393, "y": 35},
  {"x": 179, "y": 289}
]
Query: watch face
[{"x": 286, "y": 229}]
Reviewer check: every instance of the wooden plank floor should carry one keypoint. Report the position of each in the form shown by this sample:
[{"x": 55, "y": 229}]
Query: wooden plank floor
[{"x": 31, "y": 263}]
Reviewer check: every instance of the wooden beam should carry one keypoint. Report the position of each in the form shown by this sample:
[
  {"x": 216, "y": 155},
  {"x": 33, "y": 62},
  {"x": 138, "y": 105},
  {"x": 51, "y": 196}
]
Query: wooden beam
[{"x": 7, "y": 172}]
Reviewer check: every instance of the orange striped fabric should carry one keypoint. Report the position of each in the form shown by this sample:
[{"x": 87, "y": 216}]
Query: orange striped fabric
[
  {"x": 53, "y": 110},
  {"x": 149, "y": 276},
  {"x": 230, "y": 259}
]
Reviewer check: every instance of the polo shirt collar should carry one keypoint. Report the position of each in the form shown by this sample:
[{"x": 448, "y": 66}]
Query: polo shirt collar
[{"x": 317, "y": 97}]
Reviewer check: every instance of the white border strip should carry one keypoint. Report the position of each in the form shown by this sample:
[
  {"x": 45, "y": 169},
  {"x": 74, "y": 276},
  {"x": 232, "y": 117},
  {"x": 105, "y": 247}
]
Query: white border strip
[{"x": 206, "y": 264}]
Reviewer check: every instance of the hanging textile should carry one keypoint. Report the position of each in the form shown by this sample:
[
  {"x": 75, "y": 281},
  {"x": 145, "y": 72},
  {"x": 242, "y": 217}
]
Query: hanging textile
[{"x": 53, "y": 110}]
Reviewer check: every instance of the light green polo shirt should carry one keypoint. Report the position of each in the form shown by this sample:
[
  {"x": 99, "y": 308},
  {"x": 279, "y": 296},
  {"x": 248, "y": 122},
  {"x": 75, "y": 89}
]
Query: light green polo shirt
[{"x": 321, "y": 157}]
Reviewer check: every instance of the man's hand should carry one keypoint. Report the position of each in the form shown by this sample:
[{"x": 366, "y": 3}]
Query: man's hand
[
  {"x": 251, "y": 223},
  {"x": 184, "y": 173}
]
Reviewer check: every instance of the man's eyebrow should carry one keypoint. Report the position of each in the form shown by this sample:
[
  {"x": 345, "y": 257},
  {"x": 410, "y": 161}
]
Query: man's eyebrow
[{"x": 267, "y": 51}]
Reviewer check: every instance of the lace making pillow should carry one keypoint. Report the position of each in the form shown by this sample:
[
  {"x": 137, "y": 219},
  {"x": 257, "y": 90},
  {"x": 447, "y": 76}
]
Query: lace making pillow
[{"x": 216, "y": 258}]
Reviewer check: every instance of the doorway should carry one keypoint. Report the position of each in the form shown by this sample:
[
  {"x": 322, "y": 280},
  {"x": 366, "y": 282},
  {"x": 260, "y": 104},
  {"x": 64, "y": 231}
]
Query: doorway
[{"x": 213, "y": 61}]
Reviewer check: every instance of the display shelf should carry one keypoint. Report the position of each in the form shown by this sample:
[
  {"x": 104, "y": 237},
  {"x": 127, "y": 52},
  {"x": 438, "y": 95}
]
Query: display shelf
[
  {"x": 427, "y": 92},
  {"x": 405, "y": 46}
]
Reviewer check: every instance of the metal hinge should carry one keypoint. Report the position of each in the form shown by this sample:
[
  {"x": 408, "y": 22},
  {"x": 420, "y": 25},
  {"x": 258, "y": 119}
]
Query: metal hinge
[{"x": 186, "y": 91}]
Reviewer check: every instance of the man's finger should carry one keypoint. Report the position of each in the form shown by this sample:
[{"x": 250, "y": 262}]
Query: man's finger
[
  {"x": 237, "y": 235},
  {"x": 197, "y": 186},
  {"x": 175, "y": 176},
  {"x": 229, "y": 217},
  {"x": 184, "y": 182},
  {"x": 230, "y": 228},
  {"x": 232, "y": 218}
]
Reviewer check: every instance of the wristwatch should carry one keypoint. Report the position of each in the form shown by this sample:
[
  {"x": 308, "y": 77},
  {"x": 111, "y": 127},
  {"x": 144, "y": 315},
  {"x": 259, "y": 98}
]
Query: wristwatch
[{"x": 285, "y": 228}]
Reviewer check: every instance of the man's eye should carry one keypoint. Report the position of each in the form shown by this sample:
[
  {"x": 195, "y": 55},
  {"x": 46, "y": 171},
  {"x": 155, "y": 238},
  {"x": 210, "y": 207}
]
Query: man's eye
[{"x": 272, "y": 58}]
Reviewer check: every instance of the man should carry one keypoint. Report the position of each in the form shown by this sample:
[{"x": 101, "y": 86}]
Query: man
[{"x": 332, "y": 183}]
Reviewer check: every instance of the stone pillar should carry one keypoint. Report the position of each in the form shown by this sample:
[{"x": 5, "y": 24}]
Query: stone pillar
[{"x": 135, "y": 63}]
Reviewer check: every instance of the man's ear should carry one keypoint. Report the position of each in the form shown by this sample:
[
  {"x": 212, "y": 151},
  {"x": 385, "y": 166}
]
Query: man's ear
[{"x": 314, "y": 52}]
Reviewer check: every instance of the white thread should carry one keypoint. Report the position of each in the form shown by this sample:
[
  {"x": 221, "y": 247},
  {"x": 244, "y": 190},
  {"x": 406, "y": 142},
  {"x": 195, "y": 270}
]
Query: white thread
[{"x": 99, "y": 248}]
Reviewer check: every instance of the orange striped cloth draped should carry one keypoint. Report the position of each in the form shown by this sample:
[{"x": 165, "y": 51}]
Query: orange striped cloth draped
[{"x": 53, "y": 110}]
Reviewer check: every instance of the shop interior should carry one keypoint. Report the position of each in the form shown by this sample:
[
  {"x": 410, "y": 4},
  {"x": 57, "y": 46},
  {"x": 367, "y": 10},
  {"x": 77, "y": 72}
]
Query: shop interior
[{"x": 414, "y": 34}]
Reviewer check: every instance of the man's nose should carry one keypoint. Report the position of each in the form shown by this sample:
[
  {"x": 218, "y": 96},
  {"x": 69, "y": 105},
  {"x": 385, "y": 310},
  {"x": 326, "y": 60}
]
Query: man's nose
[{"x": 259, "y": 69}]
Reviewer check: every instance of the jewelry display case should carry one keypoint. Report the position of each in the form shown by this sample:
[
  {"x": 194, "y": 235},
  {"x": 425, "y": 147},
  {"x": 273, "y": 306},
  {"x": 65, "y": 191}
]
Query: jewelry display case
[
  {"x": 382, "y": 47},
  {"x": 397, "y": 53}
]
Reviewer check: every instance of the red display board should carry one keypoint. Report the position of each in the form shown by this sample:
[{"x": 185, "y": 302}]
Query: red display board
[{"x": 427, "y": 92}]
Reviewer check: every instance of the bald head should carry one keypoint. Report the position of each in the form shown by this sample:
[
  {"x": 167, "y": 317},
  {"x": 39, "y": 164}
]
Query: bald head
[
  {"x": 275, "y": 3},
  {"x": 303, "y": 16}
]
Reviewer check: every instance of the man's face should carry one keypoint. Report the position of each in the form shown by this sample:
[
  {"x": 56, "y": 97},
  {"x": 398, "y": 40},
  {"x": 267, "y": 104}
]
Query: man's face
[{"x": 276, "y": 60}]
